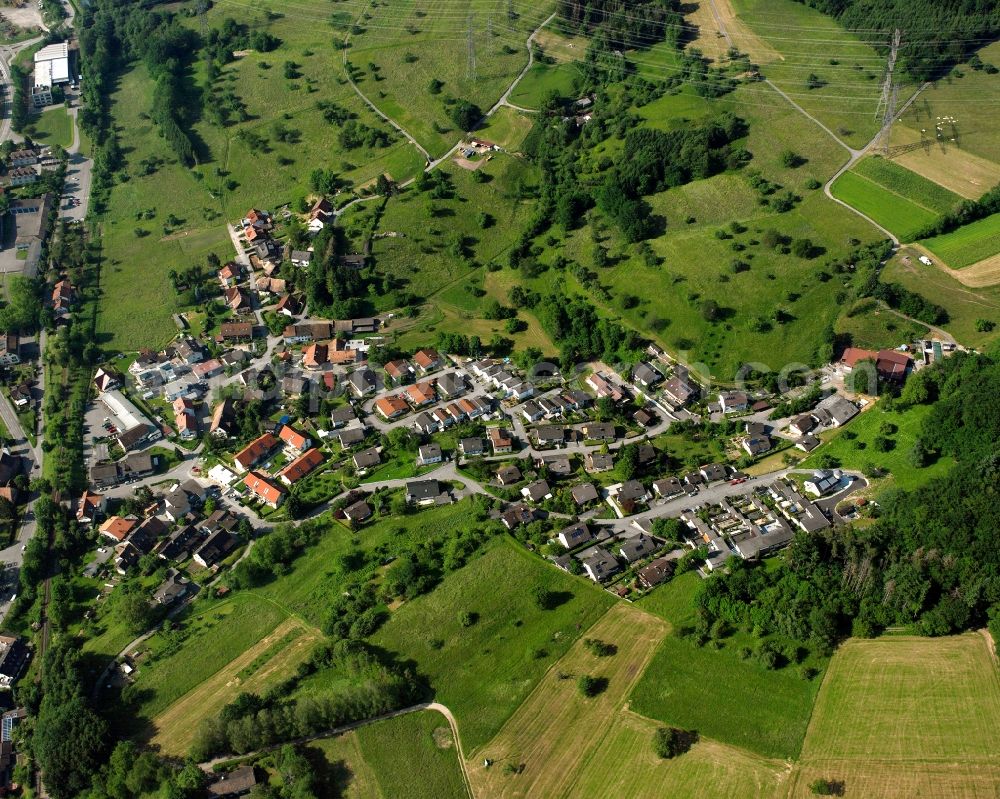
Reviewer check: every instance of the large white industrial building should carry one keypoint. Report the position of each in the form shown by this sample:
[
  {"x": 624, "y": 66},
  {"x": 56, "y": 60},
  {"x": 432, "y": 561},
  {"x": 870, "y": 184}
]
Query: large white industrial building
[{"x": 51, "y": 69}]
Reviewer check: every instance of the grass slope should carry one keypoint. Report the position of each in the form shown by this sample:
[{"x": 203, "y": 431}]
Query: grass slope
[
  {"x": 483, "y": 672},
  {"x": 907, "y": 716},
  {"x": 54, "y": 126}
]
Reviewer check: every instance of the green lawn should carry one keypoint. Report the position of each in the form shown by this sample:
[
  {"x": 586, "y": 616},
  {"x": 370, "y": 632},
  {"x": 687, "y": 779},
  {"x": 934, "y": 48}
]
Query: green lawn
[
  {"x": 852, "y": 448},
  {"x": 969, "y": 244},
  {"x": 54, "y": 126},
  {"x": 732, "y": 700},
  {"x": 483, "y": 672},
  {"x": 891, "y": 210},
  {"x": 873, "y": 328}
]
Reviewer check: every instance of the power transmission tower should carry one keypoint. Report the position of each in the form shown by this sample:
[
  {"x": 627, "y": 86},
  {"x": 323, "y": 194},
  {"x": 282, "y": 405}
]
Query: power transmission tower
[
  {"x": 489, "y": 25},
  {"x": 202, "y": 10},
  {"x": 470, "y": 67},
  {"x": 890, "y": 92}
]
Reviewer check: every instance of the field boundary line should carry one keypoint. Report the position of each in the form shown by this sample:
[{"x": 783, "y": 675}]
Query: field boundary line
[{"x": 893, "y": 191}]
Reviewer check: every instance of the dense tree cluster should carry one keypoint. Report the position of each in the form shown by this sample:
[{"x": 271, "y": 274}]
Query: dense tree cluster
[
  {"x": 582, "y": 335},
  {"x": 966, "y": 212},
  {"x": 937, "y": 33},
  {"x": 930, "y": 559},
  {"x": 624, "y": 26}
]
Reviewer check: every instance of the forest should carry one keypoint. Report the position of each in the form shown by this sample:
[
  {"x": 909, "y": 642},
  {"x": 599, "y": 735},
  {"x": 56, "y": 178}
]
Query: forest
[
  {"x": 936, "y": 34},
  {"x": 929, "y": 562},
  {"x": 624, "y": 26}
]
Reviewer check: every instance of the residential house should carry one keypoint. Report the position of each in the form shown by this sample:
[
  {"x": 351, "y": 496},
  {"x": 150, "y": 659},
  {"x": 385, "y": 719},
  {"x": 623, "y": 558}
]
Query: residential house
[
  {"x": 294, "y": 385},
  {"x": 427, "y": 360},
  {"x": 635, "y": 549},
  {"x": 185, "y": 419},
  {"x": 508, "y": 475},
  {"x": 90, "y": 506},
  {"x": 263, "y": 489},
  {"x": 472, "y": 447},
  {"x": 713, "y": 472},
  {"x": 137, "y": 465},
  {"x": 357, "y": 512},
  {"x": 362, "y": 382},
  {"x": 104, "y": 475},
  {"x": 733, "y": 401},
  {"x": 603, "y": 387},
  {"x": 756, "y": 445},
  {"x": 517, "y": 515},
  {"x": 398, "y": 372},
  {"x": 822, "y": 482},
  {"x": 176, "y": 504},
  {"x": 23, "y": 157},
  {"x": 668, "y": 487},
  {"x": 599, "y": 431},
  {"x": 290, "y": 305},
  {"x": 575, "y": 535},
  {"x": 223, "y": 419},
  {"x": 656, "y": 572},
  {"x": 631, "y": 491},
  {"x": 208, "y": 369},
  {"x": 236, "y": 331},
  {"x": 301, "y": 466},
  {"x": 500, "y": 440},
  {"x": 422, "y": 492},
  {"x": 584, "y": 493},
  {"x": 238, "y": 300},
  {"x": 557, "y": 466},
  {"x": 13, "y": 658},
  {"x": 646, "y": 375},
  {"x": 549, "y": 435},
  {"x": 841, "y": 411},
  {"x": 532, "y": 411},
  {"x": 807, "y": 443},
  {"x": 107, "y": 380},
  {"x": 303, "y": 332},
  {"x": 293, "y": 441},
  {"x": 391, "y": 406},
  {"x": 801, "y": 425},
  {"x": 538, "y": 491},
  {"x": 342, "y": 415},
  {"x": 256, "y": 451},
  {"x": 451, "y": 385},
  {"x": 301, "y": 258},
  {"x": 351, "y": 437},
  {"x": 366, "y": 459},
  {"x": 594, "y": 462},
  {"x": 428, "y": 454},
  {"x": 600, "y": 565},
  {"x": 174, "y": 587},
  {"x": 217, "y": 547},
  {"x": 230, "y": 275},
  {"x": 420, "y": 394},
  {"x": 116, "y": 528}
]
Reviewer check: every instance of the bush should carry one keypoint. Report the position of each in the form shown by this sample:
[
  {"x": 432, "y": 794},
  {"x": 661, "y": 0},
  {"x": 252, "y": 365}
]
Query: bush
[{"x": 601, "y": 649}]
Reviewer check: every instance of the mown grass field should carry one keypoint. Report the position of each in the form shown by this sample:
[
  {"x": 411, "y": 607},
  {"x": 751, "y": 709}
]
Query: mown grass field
[
  {"x": 540, "y": 80},
  {"x": 412, "y": 755},
  {"x": 902, "y": 716},
  {"x": 556, "y": 731},
  {"x": 484, "y": 672},
  {"x": 969, "y": 244},
  {"x": 217, "y": 633},
  {"x": 852, "y": 446},
  {"x": 267, "y": 662},
  {"x": 894, "y": 212},
  {"x": 52, "y": 127},
  {"x": 410, "y": 44},
  {"x": 734, "y": 701}
]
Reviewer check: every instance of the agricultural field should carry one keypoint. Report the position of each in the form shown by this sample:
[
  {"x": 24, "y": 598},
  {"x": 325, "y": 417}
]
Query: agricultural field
[
  {"x": 413, "y": 755},
  {"x": 848, "y": 76},
  {"x": 906, "y": 716},
  {"x": 909, "y": 185},
  {"x": 557, "y": 730},
  {"x": 895, "y": 213},
  {"x": 969, "y": 245},
  {"x": 541, "y": 79},
  {"x": 398, "y": 48},
  {"x": 852, "y": 446},
  {"x": 507, "y": 127},
  {"x": 964, "y": 154},
  {"x": 726, "y": 698},
  {"x": 483, "y": 672}
]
